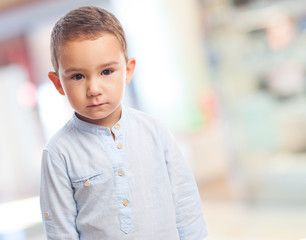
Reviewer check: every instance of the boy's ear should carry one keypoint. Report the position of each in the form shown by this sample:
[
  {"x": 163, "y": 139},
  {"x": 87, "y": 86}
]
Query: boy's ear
[
  {"x": 130, "y": 66},
  {"x": 56, "y": 81}
]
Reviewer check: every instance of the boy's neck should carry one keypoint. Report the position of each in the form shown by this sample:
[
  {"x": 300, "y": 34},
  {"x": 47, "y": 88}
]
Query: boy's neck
[{"x": 107, "y": 122}]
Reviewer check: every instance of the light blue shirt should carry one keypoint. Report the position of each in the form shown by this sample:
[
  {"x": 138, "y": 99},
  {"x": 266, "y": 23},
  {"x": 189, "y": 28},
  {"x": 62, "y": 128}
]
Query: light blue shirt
[{"x": 135, "y": 187}]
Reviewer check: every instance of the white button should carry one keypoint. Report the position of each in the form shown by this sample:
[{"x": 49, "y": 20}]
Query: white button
[
  {"x": 47, "y": 214},
  {"x": 125, "y": 202},
  {"x": 86, "y": 183}
]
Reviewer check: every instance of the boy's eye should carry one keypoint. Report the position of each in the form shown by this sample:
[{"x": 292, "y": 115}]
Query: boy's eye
[
  {"x": 106, "y": 72},
  {"x": 77, "y": 76}
]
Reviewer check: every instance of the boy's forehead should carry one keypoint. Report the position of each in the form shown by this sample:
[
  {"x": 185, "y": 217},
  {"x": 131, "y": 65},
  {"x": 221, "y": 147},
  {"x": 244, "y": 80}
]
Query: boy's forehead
[
  {"x": 79, "y": 39},
  {"x": 79, "y": 50}
]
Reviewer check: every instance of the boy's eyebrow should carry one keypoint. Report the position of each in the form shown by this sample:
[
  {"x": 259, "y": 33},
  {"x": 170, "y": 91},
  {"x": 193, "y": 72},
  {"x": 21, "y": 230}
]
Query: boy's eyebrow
[
  {"x": 112, "y": 63},
  {"x": 72, "y": 70}
]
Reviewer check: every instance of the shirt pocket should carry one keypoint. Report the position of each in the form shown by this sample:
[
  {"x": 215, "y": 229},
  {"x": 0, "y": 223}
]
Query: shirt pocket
[{"x": 91, "y": 184}]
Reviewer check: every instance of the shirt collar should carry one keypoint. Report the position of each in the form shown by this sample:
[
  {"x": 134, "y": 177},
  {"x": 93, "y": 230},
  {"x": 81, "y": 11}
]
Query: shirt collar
[{"x": 96, "y": 129}]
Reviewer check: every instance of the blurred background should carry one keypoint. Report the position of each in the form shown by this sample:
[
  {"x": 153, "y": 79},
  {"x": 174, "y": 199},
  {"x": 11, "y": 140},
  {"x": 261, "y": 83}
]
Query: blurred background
[{"x": 226, "y": 76}]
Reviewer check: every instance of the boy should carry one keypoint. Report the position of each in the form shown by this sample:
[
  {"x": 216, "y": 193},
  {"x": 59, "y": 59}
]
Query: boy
[{"x": 111, "y": 172}]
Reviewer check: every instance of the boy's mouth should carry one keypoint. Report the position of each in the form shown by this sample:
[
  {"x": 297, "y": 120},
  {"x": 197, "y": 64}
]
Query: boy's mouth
[{"x": 96, "y": 105}]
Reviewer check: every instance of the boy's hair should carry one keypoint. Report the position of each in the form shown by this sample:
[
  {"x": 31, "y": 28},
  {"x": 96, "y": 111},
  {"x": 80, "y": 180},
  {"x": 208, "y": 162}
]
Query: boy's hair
[{"x": 85, "y": 23}]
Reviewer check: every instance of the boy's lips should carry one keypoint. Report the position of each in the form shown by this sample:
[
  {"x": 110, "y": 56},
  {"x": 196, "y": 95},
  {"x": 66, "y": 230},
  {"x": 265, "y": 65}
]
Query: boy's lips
[{"x": 96, "y": 105}]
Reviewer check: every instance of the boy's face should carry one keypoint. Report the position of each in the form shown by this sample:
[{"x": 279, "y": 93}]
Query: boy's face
[{"x": 92, "y": 74}]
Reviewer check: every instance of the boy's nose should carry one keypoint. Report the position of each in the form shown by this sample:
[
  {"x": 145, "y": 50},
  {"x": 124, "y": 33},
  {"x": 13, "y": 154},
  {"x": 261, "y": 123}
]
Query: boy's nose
[{"x": 94, "y": 88}]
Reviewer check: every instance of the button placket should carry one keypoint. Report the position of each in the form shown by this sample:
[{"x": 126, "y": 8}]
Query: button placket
[
  {"x": 122, "y": 185},
  {"x": 115, "y": 130}
]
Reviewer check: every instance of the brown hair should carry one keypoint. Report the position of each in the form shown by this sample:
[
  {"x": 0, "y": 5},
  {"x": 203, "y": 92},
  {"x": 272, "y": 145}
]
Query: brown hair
[{"x": 82, "y": 24}]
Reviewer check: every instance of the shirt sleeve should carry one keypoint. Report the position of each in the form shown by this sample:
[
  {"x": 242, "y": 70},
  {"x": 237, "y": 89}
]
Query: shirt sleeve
[
  {"x": 57, "y": 203},
  {"x": 189, "y": 215}
]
